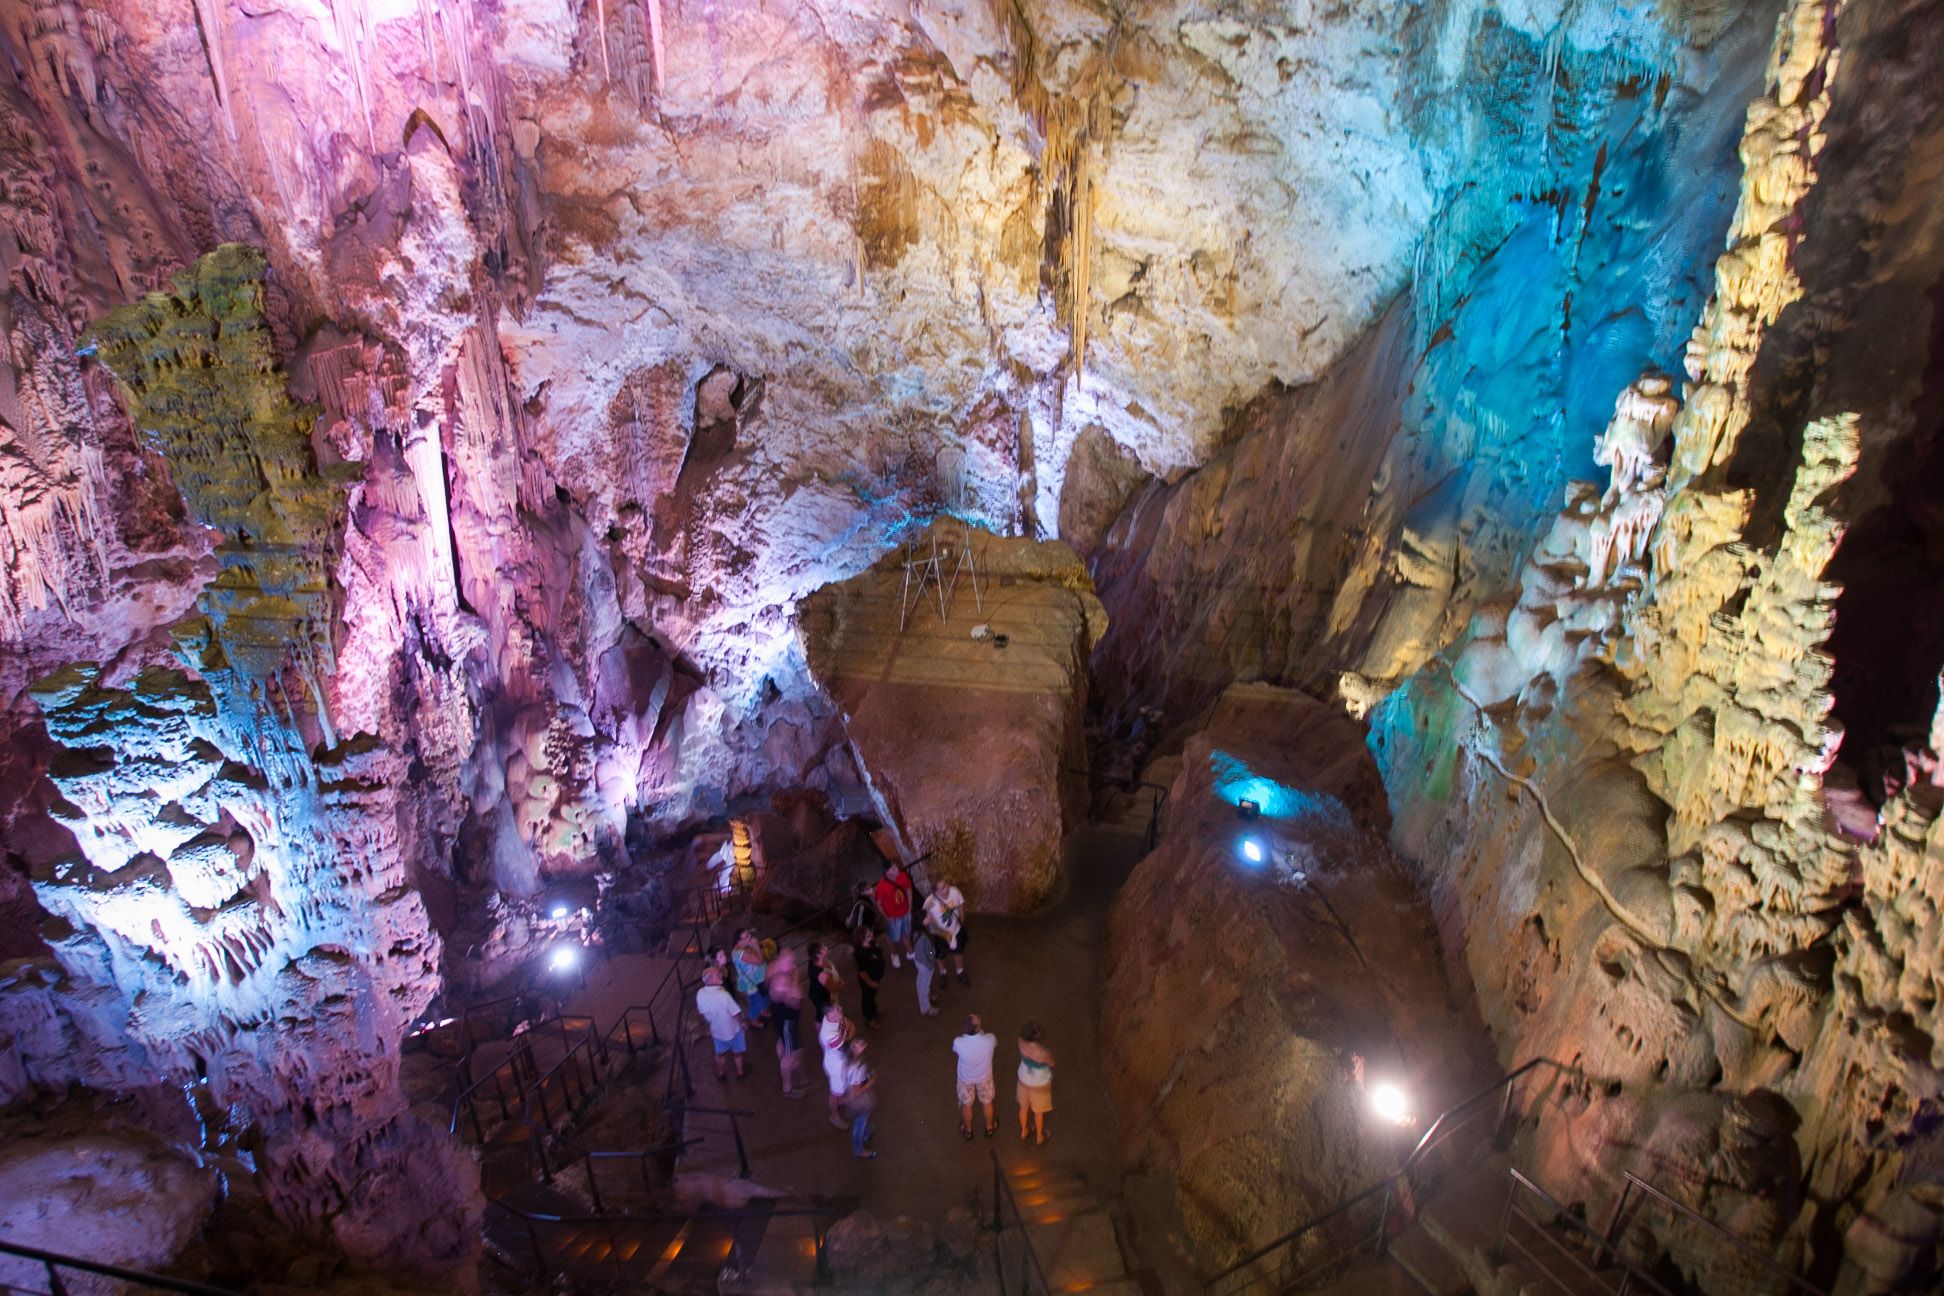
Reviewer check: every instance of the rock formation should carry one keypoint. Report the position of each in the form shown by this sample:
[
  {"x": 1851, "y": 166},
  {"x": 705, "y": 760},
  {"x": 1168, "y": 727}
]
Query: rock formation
[
  {"x": 1671, "y": 870},
  {"x": 451, "y": 450},
  {"x": 964, "y": 701},
  {"x": 1251, "y": 1000}
]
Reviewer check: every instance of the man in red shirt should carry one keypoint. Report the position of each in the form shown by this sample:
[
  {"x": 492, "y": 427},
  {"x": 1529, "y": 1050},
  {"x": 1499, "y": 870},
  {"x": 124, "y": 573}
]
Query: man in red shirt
[{"x": 893, "y": 897}]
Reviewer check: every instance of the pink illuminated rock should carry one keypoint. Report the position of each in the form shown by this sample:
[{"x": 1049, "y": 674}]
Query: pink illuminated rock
[{"x": 123, "y": 1199}]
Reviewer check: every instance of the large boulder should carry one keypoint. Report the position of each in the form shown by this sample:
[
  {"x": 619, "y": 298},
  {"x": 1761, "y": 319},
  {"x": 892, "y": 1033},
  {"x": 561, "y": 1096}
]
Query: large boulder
[
  {"x": 969, "y": 724},
  {"x": 1249, "y": 1005},
  {"x": 121, "y": 1199}
]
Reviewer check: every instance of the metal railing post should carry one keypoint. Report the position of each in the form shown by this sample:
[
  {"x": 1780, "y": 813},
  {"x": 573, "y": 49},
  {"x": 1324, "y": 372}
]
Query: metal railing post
[
  {"x": 1500, "y": 1136},
  {"x": 593, "y": 1186},
  {"x": 540, "y": 1152},
  {"x": 539, "y": 1256},
  {"x": 1383, "y": 1219},
  {"x": 742, "y": 1156},
  {"x": 1611, "y": 1233},
  {"x": 1505, "y": 1222},
  {"x": 822, "y": 1271},
  {"x": 998, "y": 1219},
  {"x": 55, "y": 1287}
]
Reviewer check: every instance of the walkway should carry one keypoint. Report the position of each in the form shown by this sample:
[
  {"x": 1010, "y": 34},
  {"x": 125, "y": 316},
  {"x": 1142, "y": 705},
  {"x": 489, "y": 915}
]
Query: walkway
[{"x": 1045, "y": 968}]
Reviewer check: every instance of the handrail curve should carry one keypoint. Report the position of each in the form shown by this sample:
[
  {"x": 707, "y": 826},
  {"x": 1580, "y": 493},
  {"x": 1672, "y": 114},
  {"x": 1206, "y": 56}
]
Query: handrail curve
[{"x": 1440, "y": 1130}]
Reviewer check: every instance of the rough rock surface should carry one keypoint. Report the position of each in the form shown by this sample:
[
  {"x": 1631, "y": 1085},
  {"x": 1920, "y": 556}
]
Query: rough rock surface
[
  {"x": 591, "y": 340},
  {"x": 1245, "y": 1004},
  {"x": 973, "y": 749},
  {"x": 1624, "y": 780},
  {"x": 121, "y": 1200},
  {"x": 1351, "y": 524}
]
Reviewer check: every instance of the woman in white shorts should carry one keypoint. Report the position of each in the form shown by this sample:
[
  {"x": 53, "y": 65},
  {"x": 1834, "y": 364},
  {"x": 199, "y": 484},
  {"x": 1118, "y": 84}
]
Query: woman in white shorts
[
  {"x": 833, "y": 1033},
  {"x": 1035, "y": 1088}
]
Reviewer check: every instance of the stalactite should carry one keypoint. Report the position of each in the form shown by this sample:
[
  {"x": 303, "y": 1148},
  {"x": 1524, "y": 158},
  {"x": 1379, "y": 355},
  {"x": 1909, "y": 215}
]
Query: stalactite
[
  {"x": 659, "y": 61},
  {"x": 1071, "y": 126},
  {"x": 352, "y": 23},
  {"x": 209, "y": 19},
  {"x": 600, "y": 20}
]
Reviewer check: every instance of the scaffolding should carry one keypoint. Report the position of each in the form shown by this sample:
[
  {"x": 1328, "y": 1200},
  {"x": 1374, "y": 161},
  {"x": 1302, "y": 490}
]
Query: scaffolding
[{"x": 933, "y": 568}]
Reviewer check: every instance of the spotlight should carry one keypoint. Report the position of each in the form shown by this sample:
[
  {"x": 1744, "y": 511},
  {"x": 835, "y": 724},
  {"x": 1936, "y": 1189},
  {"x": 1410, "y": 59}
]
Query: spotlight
[
  {"x": 1252, "y": 850},
  {"x": 1248, "y": 809},
  {"x": 564, "y": 959},
  {"x": 1389, "y": 1102},
  {"x": 559, "y": 912}
]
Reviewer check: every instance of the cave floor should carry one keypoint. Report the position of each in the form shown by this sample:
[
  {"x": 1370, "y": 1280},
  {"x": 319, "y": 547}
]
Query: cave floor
[{"x": 1042, "y": 967}]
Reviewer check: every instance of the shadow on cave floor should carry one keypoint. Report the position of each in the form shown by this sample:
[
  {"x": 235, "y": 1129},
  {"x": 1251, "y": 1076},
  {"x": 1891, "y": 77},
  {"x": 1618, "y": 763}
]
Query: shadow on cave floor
[{"x": 1045, "y": 967}]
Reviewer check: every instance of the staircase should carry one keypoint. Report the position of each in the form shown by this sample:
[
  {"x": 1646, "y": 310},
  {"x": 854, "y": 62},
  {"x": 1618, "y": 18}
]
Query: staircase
[
  {"x": 763, "y": 1245},
  {"x": 1458, "y": 1219},
  {"x": 1053, "y": 1233}
]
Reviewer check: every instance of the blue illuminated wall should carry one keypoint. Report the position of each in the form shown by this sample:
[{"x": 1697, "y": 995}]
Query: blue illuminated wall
[{"x": 1573, "y": 251}]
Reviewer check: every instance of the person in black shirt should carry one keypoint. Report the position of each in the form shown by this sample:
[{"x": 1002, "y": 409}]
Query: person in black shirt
[{"x": 870, "y": 971}]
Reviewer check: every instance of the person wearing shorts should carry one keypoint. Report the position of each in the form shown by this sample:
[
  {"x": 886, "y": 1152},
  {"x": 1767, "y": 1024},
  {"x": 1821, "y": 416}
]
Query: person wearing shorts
[
  {"x": 893, "y": 897},
  {"x": 785, "y": 994},
  {"x": 945, "y": 920},
  {"x": 1035, "y": 1088},
  {"x": 834, "y": 1035},
  {"x": 975, "y": 1047},
  {"x": 725, "y": 1017},
  {"x": 751, "y": 972}
]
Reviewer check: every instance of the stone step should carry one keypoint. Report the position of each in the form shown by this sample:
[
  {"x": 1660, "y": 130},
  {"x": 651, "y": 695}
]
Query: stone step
[
  {"x": 1078, "y": 1252},
  {"x": 1464, "y": 1216},
  {"x": 1435, "y": 1270},
  {"x": 1372, "y": 1277}
]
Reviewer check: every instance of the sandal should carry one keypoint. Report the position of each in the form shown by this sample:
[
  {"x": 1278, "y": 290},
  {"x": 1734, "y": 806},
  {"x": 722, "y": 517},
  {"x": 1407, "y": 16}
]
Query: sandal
[
  {"x": 992, "y": 1131},
  {"x": 967, "y": 1131}
]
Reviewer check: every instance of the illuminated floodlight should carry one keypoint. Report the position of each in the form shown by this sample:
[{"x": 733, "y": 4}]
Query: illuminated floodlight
[
  {"x": 1389, "y": 1102},
  {"x": 1252, "y": 850},
  {"x": 564, "y": 959},
  {"x": 559, "y": 912}
]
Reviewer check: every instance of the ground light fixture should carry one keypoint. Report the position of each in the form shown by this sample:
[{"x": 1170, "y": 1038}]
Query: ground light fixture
[
  {"x": 1388, "y": 1100},
  {"x": 1251, "y": 851},
  {"x": 559, "y": 912},
  {"x": 565, "y": 958}
]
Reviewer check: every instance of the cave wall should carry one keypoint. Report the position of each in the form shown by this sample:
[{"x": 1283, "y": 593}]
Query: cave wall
[
  {"x": 1350, "y": 524},
  {"x": 1629, "y": 784},
  {"x": 579, "y": 343}
]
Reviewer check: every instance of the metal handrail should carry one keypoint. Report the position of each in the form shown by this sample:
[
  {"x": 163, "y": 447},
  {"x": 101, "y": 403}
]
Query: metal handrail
[
  {"x": 1432, "y": 1137},
  {"x": 590, "y": 1157},
  {"x": 54, "y": 1261},
  {"x": 1441, "y": 1130},
  {"x": 578, "y": 1079},
  {"x": 1002, "y": 1202},
  {"x": 1344, "y": 1207},
  {"x": 521, "y": 1056},
  {"x": 820, "y": 1217},
  {"x": 683, "y": 1110},
  {"x": 1630, "y": 1273},
  {"x": 1617, "y": 1218}
]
